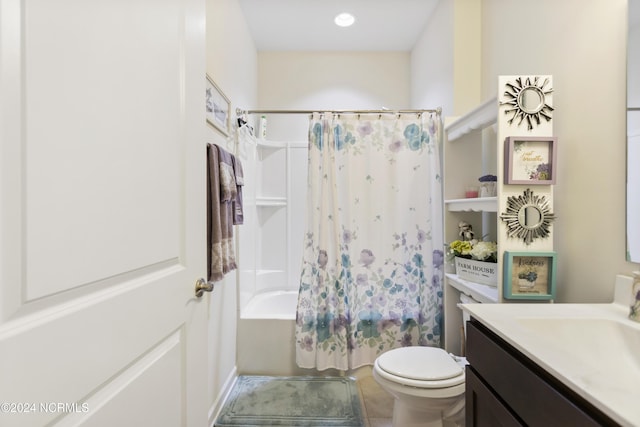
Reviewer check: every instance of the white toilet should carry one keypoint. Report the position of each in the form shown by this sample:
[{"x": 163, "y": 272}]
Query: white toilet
[{"x": 427, "y": 384}]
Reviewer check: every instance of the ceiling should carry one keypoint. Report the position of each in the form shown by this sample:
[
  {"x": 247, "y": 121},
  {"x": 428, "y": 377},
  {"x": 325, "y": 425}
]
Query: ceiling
[{"x": 307, "y": 25}]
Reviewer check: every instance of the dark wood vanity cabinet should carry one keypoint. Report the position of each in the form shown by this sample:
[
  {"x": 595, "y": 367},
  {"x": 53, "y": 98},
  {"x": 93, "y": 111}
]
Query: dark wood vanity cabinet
[{"x": 505, "y": 388}]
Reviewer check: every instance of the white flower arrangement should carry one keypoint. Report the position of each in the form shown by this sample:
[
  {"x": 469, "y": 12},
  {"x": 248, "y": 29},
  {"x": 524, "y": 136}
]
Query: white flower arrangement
[{"x": 473, "y": 249}]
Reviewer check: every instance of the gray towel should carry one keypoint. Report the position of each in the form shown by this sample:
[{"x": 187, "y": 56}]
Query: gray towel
[
  {"x": 228, "y": 187},
  {"x": 238, "y": 213},
  {"x": 220, "y": 249}
]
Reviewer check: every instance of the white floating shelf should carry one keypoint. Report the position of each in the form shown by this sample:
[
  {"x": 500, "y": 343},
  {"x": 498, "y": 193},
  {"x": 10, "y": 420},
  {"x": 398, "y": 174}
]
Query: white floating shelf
[
  {"x": 271, "y": 201},
  {"x": 268, "y": 272},
  {"x": 478, "y": 204},
  {"x": 482, "y": 293},
  {"x": 479, "y": 118},
  {"x": 271, "y": 144},
  {"x": 281, "y": 144}
]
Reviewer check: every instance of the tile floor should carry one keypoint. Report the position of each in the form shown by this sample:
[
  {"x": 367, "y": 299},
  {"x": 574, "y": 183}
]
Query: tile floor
[{"x": 377, "y": 403}]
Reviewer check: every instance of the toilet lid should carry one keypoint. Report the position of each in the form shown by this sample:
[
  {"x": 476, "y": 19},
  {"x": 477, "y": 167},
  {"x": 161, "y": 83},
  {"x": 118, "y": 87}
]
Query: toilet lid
[{"x": 420, "y": 363}]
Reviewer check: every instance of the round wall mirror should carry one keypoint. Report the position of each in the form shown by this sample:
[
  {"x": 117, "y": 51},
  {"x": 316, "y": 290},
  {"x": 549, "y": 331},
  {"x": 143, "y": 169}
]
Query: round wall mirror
[
  {"x": 531, "y": 99},
  {"x": 528, "y": 216},
  {"x": 528, "y": 100}
]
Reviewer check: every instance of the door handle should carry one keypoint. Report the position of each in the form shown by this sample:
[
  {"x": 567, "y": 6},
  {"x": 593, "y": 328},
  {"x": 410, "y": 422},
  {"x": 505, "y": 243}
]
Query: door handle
[{"x": 202, "y": 286}]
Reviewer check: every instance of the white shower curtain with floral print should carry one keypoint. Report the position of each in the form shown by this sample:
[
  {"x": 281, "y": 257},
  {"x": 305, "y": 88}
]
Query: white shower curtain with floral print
[{"x": 372, "y": 265}]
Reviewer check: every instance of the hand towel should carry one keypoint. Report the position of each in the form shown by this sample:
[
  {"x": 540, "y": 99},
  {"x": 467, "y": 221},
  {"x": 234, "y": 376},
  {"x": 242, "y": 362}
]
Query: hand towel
[
  {"x": 238, "y": 213},
  {"x": 228, "y": 188},
  {"x": 220, "y": 247}
]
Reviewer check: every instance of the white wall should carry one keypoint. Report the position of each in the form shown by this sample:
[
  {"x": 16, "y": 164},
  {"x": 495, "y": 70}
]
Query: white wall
[
  {"x": 231, "y": 54},
  {"x": 582, "y": 44},
  {"x": 634, "y": 56},
  {"x": 446, "y": 60},
  {"x": 232, "y": 64},
  {"x": 329, "y": 81},
  {"x": 432, "y": 63},
  {"x": 333, "y": 80}
]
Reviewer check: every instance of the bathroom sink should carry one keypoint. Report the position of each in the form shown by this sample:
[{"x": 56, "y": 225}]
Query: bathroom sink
[
  {"x": 592, "y": 340},
  {"x": 594, "y": 349}
]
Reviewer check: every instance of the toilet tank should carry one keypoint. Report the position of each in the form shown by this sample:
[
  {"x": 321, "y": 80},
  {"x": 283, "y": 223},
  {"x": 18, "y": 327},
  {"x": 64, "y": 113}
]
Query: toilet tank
[{"x": 456, "y": 293}]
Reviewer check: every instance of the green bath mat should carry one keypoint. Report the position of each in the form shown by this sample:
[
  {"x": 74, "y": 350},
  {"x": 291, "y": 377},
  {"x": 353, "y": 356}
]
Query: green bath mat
[{"x": 292, "y": 401}]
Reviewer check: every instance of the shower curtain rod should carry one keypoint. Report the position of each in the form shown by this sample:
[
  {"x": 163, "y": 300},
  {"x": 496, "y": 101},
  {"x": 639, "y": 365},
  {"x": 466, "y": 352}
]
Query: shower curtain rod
[{"x": 240, "y": 112}]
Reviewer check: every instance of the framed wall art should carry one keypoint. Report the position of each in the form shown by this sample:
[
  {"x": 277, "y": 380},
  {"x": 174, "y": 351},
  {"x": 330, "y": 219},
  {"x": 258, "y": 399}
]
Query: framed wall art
[
  {"x": 217, "y": 107},
  {"x": 529, "y": 275},
  {"x": 530, "y": 160}
]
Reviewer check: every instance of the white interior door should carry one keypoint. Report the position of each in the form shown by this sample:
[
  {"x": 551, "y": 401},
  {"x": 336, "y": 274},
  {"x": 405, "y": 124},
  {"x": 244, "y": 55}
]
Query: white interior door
[{"x": 102, "y": 174}]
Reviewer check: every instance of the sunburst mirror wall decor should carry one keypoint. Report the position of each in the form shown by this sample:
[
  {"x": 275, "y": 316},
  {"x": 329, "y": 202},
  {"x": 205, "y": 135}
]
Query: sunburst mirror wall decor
[
  {"x": 528, "y": 216},
  {"x": 528, "y": 101}
]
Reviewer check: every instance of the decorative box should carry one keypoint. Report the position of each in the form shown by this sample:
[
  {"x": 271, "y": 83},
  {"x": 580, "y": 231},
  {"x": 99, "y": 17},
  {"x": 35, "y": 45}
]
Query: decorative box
[{"x": 477, "y": 271}]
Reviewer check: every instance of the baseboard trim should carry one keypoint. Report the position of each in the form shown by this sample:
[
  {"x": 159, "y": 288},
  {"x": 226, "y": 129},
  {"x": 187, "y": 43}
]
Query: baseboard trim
[{"x": 215, "y": 408}]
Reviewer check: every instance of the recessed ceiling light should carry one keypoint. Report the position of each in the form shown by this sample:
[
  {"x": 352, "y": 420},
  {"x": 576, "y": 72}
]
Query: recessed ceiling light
[{"x": 344, "y": 20}]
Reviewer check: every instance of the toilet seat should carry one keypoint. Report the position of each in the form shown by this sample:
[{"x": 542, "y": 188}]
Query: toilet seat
[{"x": 422, "y": 367}]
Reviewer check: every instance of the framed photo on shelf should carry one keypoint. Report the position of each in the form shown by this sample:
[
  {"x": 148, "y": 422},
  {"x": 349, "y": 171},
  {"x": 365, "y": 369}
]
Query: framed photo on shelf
[
  {"x": 217, "y": 107},
  {"x": 530, "y": 160},
  {"x": 529, "y": 275}
]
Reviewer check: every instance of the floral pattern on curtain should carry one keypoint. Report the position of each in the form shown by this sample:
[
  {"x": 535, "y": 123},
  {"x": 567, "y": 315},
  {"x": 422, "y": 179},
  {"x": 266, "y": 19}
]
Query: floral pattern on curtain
[{"x": 372, "y": 265}]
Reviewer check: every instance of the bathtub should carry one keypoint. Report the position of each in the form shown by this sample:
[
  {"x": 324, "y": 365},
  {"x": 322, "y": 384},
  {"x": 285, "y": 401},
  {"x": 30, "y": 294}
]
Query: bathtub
[
  {"x": 266, "y": 342},
  {"x": 272, "y": 305},
  {"x": 266, "y": 335}
]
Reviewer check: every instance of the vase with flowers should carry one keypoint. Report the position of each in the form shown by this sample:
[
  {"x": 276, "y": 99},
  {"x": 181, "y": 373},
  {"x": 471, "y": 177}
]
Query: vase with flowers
[{"x": 476, "y": 261}]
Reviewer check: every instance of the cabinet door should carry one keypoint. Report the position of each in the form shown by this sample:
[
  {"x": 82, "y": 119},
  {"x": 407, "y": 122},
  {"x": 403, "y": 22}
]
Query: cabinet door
[
  {"x": 538, "y": 398},
  {"x": 483, "y": 408}
]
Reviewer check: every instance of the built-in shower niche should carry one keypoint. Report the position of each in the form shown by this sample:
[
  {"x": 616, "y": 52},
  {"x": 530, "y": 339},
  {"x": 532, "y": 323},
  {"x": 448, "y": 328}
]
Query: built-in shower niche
[
  {"x": 271, "y": 248},
  {"x": 271, "y": 185},
  {"x": 271, "y": 212}
]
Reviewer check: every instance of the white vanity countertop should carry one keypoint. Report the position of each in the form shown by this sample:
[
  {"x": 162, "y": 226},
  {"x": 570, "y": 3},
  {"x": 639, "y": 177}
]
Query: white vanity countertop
[{"x": 594, "y": 349}]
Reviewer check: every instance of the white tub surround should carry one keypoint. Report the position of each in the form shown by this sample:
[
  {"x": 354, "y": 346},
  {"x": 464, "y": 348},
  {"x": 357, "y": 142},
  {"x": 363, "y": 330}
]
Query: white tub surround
[
  {"x": 265, "y": 344},
  {"x": 594, "y": 349},
  {"x": 271, "y": 247},
  {"x": 271, "y": 305}
]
